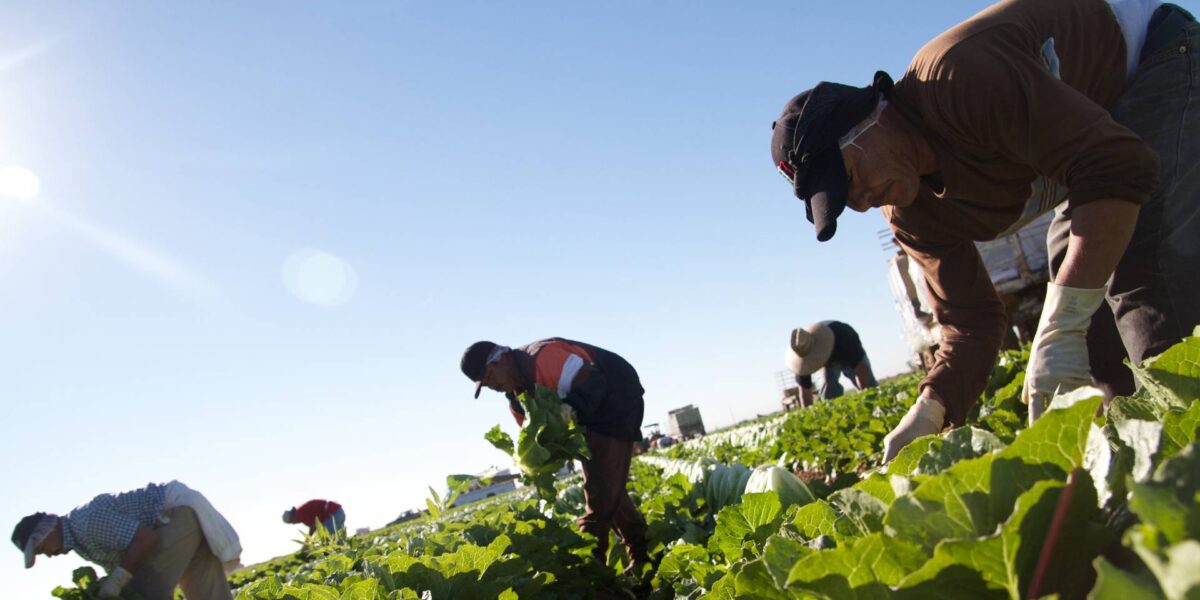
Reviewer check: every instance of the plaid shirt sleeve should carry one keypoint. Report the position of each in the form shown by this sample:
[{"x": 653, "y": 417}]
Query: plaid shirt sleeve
[
  {"x": 104, "y": 527},
  {"x": 101, "y": 530}
]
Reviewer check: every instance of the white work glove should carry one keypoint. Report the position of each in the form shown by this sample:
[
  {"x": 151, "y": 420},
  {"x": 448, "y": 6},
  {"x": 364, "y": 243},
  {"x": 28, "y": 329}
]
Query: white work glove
[
  {"x": 1058, "y": 361},
  {"x": 925, "y": 417},
  {"x": 568, "y": 413},
  {"x": 116, "y": 581}
]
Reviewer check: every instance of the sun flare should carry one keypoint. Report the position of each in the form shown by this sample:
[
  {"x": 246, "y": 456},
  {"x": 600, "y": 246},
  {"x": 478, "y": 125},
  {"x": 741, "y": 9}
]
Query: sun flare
[{"x": 19, "y": 183}]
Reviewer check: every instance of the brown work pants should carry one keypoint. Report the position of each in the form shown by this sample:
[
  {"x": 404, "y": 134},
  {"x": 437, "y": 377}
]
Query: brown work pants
[
  {"x": 181, "y": 557},
  {"x": 608, "y": 504}
]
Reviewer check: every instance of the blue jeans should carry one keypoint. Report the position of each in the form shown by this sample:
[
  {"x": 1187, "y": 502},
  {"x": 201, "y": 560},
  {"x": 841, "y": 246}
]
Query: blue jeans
[
  {"x": 832, "y": 388},
  {"x": 335, "y": 522}
]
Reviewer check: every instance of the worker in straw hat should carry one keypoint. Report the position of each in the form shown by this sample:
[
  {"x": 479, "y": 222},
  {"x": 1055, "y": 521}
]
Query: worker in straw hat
[{"x": 833, "y": 346}]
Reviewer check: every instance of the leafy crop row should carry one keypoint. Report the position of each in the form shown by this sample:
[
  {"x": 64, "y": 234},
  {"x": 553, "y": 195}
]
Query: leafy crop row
[{"x": 1074, "y": 506}]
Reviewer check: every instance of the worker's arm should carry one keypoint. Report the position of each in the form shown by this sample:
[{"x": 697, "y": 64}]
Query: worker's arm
[
  {"x": 863, "y": 377},
  {"x": 588, "y": 389},
  {"x": 103, "y": 526},
  {"x": 1100, "y": 232},
  {"x": 805, "y": 383},
  {"x": 1058, "y": 359},
  {"x": 135, "y": 554},
  {"x": 141, "y": 546},
  {"x": 518, "y": 412},
  {"x": 964, "y": 302}
]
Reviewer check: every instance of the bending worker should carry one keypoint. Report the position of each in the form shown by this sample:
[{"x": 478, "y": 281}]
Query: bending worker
[
  {"x": 151, "y": 539},
  {"x": 992, "y": 123},
  {"x": 328, "y": 513},
  {"x": 833, "y": 346},
  {"x": 605, "y": 395}
]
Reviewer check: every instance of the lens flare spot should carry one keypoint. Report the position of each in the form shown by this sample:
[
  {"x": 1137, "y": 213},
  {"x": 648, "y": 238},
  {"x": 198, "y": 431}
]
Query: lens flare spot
[{"x": 319, "y": 277}]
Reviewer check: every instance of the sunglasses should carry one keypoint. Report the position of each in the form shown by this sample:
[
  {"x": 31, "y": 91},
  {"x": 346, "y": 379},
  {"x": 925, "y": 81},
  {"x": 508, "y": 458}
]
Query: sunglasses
[{"x": 789, "y": 172}]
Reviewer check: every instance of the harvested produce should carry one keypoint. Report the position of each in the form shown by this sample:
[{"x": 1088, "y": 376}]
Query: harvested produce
[
  {"x": 546, "y": 441},
  {"x": 789, "y": 488}
]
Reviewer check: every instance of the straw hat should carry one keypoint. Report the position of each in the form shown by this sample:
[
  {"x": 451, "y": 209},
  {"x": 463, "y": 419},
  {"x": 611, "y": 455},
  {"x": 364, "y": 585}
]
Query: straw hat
[{"x": 810, "y": 348}]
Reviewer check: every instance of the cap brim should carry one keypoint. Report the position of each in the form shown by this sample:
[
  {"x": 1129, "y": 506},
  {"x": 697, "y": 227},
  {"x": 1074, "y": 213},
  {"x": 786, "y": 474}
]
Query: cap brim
[
  {"x": 824, "y": 215},
  {"x": 808, "y": 132},
  {"x": 824, "y": 191},
  {"x": 30, "y": 555},
  {"x": 478, "y": 388}
]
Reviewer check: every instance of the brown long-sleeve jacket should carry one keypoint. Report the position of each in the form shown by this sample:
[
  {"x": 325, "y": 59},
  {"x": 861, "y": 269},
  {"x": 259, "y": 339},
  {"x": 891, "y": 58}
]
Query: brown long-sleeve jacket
[{"x": 1013, "y": 101}]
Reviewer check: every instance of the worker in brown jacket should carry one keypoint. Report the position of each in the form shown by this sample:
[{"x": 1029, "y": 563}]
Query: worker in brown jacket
[{"x": 991, "y": 125}]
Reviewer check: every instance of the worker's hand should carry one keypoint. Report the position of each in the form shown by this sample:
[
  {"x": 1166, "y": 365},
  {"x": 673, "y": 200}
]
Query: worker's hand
[
  {"x": 925, "y": 417},
  {"x": 111, "y": 586},
  {"x": 1058, "y": 361},
  {"x": 568, "y": 413}
]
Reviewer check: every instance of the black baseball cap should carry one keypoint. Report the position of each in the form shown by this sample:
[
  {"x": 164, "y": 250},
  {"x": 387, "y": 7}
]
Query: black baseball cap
[
  {"x": 25, "y": 528},
  {"x": 21, "y": 533},
  {"x": 804, "y": 145},
  {"x": 474, "y": 362}
]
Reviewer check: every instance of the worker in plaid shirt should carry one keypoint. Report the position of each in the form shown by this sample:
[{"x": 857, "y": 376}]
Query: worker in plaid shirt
[{"x": 140, "y": 539}]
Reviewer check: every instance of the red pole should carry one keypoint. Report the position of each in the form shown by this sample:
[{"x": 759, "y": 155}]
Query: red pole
[{"x": 1056, "y": 525}]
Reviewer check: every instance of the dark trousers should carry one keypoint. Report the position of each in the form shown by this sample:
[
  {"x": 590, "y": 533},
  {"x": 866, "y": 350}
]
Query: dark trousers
[
  {"x": 832, "y": 386},
  {"x": 608, "y": 504},
  {"x": 1154, "y": 293}
]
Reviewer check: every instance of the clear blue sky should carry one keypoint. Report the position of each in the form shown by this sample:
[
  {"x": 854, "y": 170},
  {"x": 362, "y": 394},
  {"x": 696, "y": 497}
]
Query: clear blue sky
[{"x": 503, "y": 171}]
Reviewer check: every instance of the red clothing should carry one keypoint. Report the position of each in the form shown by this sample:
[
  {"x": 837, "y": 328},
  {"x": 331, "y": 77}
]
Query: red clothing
[{"x": 314, "y": 511}]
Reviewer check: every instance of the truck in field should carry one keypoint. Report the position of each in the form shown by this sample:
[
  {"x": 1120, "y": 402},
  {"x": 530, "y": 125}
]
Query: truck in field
[
  {"x": 1019, "y": 268},
  {"x": 487, "y": 484},
  {"x": 685, "y": 423}
]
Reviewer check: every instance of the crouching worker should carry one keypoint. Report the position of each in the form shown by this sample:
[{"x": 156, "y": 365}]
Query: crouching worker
[
  {"x": 991, "y": 125},
  {"x": 605, "y": 395},
  {"x": 151, "y": 540},
  {"x": 833, "y": 346},
  {"x": 329, "y": 514}
]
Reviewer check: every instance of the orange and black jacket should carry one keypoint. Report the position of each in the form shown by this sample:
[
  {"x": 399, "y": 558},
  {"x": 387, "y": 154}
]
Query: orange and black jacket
[{"x": 603, "y": 388}]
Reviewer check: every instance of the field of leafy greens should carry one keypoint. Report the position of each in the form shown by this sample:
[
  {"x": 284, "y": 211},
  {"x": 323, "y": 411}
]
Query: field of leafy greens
[{"x": 798, "y": 505}]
